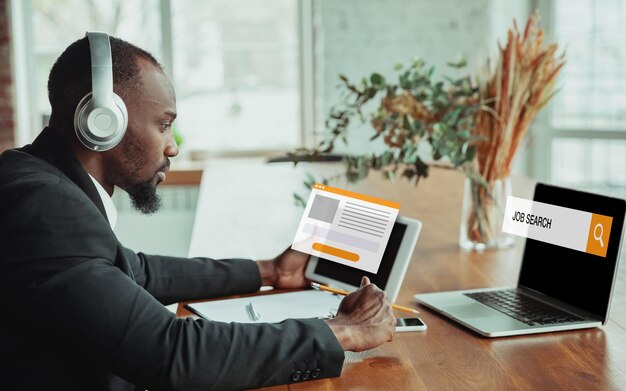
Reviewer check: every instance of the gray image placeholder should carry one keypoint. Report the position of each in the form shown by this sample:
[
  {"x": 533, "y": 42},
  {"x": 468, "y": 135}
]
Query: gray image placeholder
[{"x": 323, "y": 208}]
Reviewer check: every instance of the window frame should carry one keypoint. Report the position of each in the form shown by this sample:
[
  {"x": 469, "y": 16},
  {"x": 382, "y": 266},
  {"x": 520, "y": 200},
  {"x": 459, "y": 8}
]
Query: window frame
[{"x": 544, "y": 134}]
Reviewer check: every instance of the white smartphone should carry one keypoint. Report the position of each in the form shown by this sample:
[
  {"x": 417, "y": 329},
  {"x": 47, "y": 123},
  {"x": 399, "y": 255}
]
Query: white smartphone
[{"x": 410, "y": 324}]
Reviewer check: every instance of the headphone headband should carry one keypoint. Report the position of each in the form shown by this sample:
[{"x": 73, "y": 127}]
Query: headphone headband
[{"x": 101, "y": 69}]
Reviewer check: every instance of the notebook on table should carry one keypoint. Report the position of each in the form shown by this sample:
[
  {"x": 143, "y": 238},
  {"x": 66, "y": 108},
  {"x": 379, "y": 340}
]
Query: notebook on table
[{"x": 312, "y": 303}]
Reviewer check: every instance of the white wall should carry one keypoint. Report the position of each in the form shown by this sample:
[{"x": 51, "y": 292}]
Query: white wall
[{"x": 356, "y": 38}]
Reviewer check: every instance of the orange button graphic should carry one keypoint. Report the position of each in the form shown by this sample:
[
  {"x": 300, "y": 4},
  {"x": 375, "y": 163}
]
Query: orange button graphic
[
  {"x": 599, "y": 233},
  {"x": 347, "y": 255}
]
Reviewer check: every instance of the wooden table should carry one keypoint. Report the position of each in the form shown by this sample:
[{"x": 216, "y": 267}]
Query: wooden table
[{"x": 449, "y": 356}]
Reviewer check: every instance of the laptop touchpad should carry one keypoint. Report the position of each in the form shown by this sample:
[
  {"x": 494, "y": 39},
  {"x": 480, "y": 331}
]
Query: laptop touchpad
[{"x": 471, "y": 310}]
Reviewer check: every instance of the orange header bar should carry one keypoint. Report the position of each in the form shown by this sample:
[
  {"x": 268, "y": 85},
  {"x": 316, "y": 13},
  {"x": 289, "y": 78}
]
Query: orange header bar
[{"x": 358, "y": 196}]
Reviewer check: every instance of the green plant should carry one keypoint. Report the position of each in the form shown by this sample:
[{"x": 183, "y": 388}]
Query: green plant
[
  {"x": 413, "y": 110},
  {"x": 178, "y": 137}
]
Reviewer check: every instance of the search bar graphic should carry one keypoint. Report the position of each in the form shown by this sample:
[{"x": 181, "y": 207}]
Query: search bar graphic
[{"x": 565, "y": 227}]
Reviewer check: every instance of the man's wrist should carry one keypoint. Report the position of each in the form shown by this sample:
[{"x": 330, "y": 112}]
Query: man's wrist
[
  {"x": 267, "y": 270},
  {"x": 342, "y": 333}
]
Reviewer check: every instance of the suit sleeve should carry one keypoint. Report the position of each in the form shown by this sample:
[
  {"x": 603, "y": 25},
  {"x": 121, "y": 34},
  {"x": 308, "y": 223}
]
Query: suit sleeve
[
  {"x": 171, "y": 279},
  {"x": 108, "y": 316},
  {"x": 62, "y": 276}
]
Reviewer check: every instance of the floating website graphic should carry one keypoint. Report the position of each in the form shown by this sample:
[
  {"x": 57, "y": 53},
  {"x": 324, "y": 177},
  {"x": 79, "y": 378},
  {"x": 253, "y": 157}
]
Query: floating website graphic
[
  {"x": 346, "y": 227},
  {"x": 565, "y": 227}
]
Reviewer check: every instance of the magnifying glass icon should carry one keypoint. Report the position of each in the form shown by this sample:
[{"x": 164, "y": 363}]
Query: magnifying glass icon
[{"x": 596, "y": 236}]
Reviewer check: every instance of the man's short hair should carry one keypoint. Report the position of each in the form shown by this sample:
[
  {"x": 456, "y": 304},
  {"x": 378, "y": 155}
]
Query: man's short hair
[{"x": 70, "y": 76}]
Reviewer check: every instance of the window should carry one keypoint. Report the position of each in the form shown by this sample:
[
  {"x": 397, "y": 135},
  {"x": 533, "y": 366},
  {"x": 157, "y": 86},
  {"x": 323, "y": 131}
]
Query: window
[
  {"x": 593, "y": 95},
  {"x": 236, "y": 73},
  {"x": 585, "y": 131},
  {"x": 55, "y": 24},
  {"x": 234, "y": 63}
]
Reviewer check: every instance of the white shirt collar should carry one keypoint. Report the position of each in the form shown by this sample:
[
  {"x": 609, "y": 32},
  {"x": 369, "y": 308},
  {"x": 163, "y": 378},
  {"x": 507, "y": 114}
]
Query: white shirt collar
[{"x": 109, "y": 206}]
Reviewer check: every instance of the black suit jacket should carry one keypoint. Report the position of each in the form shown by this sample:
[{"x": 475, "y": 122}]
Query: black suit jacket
[{"x": 81, "y": 312}]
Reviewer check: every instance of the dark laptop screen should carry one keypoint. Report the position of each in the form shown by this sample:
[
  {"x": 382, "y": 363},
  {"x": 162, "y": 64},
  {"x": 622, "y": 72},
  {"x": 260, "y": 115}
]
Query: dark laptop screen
[
  {"x": 575, "y": 277},
  {"x": 352, "y": 276}
]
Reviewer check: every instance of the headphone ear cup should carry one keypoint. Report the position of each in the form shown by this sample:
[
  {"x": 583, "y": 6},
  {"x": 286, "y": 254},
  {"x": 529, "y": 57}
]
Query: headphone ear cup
[
  {"x": 100, "y": 128},
  {"x": 123, "y": 114}
]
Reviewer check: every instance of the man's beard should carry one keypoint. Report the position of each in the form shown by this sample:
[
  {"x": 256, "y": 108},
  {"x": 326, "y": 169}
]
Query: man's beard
[{"x": 144, "y": 197}]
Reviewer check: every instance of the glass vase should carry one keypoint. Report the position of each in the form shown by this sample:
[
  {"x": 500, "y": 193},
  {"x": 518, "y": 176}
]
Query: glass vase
[{"x": 482, "y": 215}]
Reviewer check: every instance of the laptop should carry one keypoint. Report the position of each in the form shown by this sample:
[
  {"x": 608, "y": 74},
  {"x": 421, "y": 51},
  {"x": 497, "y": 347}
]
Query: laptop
[
  {"x": 558, "y": 288},
  {"x": 281, "y": 306}
]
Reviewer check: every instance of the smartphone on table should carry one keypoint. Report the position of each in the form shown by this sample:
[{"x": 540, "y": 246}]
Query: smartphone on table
[{"x": 410, "y": 324}]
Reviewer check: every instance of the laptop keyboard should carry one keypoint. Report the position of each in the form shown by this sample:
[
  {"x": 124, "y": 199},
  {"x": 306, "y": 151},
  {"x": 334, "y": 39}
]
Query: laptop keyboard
[{"x": 523, "y": 308}]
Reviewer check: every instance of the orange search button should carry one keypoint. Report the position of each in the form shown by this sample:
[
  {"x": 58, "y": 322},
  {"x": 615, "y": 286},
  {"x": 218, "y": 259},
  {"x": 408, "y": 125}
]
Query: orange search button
[
  {"x": 599, "y": 233},
  {"x": 323, "y": 248}
]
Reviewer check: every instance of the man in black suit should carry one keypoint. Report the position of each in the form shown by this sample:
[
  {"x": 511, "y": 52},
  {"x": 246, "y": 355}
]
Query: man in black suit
[{"x": 82, "y": 312}]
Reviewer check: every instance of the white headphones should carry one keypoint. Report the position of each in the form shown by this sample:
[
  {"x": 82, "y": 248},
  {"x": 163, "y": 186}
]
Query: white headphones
[{"x": 101, "y": 118}]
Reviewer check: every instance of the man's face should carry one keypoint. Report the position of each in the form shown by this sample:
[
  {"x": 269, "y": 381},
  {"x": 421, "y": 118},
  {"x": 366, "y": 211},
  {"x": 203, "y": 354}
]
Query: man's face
[{"x": 142, "y": 158}]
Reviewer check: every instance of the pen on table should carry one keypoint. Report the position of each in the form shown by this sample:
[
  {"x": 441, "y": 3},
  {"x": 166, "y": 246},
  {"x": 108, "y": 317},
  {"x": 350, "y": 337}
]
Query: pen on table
[
  {"x": 252, "y": 313},
  {"x": 342, "y": 292}
]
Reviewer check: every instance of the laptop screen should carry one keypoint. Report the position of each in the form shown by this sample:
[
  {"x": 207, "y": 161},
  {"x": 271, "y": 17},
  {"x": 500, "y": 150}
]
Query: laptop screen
[
  {"x": 352, "y": 276},
  {"x": 574, "y": 277}
]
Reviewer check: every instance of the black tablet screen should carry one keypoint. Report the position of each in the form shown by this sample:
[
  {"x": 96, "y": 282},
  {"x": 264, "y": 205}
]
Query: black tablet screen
[{"x": 352, "y": 276}]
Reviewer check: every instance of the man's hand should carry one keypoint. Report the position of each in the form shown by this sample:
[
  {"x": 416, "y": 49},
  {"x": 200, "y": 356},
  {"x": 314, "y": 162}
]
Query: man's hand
[
  {"x": 285, "y": 271},
  {"x": 365, "y": 319}
]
